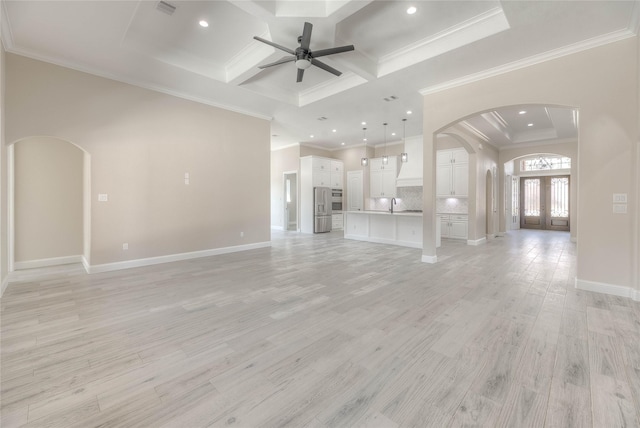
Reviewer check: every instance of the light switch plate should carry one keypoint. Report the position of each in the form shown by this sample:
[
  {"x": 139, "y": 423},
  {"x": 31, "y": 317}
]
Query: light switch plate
[
  {"x": 619, "y": 198},
  {"x": 619, "y": 208},
  {"x": 103, "y": 197}
]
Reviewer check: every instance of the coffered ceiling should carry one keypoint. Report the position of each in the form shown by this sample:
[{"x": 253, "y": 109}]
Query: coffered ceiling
[{"x": 397, "y": 56}]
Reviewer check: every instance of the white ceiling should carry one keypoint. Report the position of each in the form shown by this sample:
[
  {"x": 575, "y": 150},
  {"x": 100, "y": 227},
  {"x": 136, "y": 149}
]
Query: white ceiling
[{"x": 396, "y": 55}]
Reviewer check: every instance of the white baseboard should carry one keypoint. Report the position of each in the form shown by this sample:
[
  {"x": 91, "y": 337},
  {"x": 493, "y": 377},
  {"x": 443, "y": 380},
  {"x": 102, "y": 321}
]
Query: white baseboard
[
  {"x": 3, "y": 287},
  {"x": 490, "y": 236},
  {"x": 274, "y": 227},
  {"x": 574, "y": 239},
  {"x": 614, "y": 290},
  {"x": 429, "y": 259},
  {"x": 476, "y": 241},
  {"x": 500, "y": 234},
  {"x": 54, "y": 261},
  {"x": 107, "y": 267},
  {"x": 86, "y": 264}
]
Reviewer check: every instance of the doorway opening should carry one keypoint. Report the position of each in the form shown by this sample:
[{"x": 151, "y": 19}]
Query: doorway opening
[
  {"x": 290, "y": 198},
  {"x": 545, "y": 203}
]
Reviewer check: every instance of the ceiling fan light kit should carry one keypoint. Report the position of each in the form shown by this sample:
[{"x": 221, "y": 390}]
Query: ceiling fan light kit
[{"x": 303, "y": 56}]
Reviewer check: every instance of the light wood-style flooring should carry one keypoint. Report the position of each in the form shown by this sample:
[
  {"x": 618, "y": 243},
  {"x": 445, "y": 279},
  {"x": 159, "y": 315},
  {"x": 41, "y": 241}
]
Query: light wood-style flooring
[{"x": 318, "y": 331}]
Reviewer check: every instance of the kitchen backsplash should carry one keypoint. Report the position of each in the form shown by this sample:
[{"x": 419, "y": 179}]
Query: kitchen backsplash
[
  {"x": 409, "y": 198},
  {"x": 452, "y": 205}
]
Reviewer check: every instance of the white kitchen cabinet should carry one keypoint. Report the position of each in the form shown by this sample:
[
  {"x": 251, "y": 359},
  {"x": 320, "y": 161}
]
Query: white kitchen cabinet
[
  {"x": 321, "y": 164},
  {"x": 337, "y": 221},
  {"x": 337, "y": 175},
  {"x": 452, "y": 173},
  {"x": 382, "y": 177},
  {"x": 321, "y": 178},
  {"x": 454, "y": 226}
]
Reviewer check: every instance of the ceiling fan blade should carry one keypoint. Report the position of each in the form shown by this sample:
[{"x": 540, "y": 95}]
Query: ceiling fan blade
[
  {"x": 278, "y": 62},
  {"x": 306, "y": 36},
  {"x": 275, "y": 45},
  {"x": 300, "y": 74},
  {"x": 325, "y": 67},
  {"x": 331, "y": 51}
]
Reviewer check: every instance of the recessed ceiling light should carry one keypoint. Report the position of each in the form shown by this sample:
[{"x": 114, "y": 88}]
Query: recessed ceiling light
[
  {"x": 364, "y": 123},
  {"x": 364, "y": 139},
  {"x": 522, "y": 112},
  {"x": 411, "y": 10},
  {"x": 529, "y": 124},
  {"x": 393, "y": 134},
  {"x": 409, "y": 112},
  {"x": 203, "y": 23},
  {"x": 334, "y": 130},
  {"x": 311, "y": 136},
  {"x": 342, "y": 143}
]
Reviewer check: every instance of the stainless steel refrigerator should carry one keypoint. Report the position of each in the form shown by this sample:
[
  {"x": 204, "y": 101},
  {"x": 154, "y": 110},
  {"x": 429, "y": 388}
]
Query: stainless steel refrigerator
[{"x": 321, "y": 209}]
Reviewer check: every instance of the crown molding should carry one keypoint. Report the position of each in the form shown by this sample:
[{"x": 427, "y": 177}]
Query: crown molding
[
  {"x": 477, "y": 28},
  {"x": 515, "y": 146},
  {"x": 529, "y": 61}
]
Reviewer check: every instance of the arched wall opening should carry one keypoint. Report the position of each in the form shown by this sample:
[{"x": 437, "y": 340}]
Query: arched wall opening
[
  {"x": 601, "y": 83},
  {"x": 49, "y": 203}
]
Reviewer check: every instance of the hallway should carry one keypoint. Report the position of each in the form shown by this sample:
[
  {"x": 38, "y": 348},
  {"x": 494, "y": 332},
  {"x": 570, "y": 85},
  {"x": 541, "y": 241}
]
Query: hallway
[{"x": 320, "y": 331}]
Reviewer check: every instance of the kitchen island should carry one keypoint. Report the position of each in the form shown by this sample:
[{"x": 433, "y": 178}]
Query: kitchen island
[{"x": 401, "y": 228}]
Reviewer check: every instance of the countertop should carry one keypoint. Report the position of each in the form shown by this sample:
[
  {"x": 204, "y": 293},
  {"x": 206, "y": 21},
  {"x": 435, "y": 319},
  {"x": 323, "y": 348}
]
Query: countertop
[
  {"x": 452, "y": 213},
  {"x": 400, "y": 213}
]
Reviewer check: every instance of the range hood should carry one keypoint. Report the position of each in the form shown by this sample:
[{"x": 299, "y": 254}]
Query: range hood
[{"x": 411, "y": 171}]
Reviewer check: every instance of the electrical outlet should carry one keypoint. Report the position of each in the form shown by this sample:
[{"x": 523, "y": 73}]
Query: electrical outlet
[
  {"x": 125, "y": 246},
  {"x": 619, "y": 198},
  {"x": 619, "y": 208},
  {"x": 103, "y": 197}
]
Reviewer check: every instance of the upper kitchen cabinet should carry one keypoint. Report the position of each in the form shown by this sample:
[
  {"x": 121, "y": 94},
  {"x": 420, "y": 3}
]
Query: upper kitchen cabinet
[
  {"x": 452, "y": 173},
  {"x": 337, "y": 174},
  {"x": 383, "y": 177},
  {"x": 321, "y": 168}
]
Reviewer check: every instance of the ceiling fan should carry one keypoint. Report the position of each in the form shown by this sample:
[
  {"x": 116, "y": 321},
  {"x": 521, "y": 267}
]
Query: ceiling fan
[{"x": 303, "y": 56}]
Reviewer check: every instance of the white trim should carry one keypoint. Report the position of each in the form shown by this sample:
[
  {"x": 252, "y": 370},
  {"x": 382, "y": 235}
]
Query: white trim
[
  {"x": 429, "y": 259},
  {"x": 614, "y": 290},
  {"x": 273, "y": 226},
  {"x": 532, "y": 60},
  {"x": 85, "y": 264},
  {"x": 5, "y": 283},
  {"x": 107, "y": 267},
  {"x": 476, "y": 242},
  {"x": 53, "y": 261},
  {"x": 574, "y": 239}
]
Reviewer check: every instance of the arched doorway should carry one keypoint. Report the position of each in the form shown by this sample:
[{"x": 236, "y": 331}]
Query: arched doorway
[{"x": 49, "y": 203}]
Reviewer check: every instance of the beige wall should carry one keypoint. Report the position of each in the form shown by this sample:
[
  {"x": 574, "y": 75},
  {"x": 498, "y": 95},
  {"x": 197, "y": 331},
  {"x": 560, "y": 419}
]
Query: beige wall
[
  {"x": 314, "y": 151},
  {"x": 602, "y": 83},
  {"x": 141, "y": 144},
  {"x": 393, "y": 148},
  {"x": 48, "y": 199},
  {"x": 4, "y": 192},
  {"x": 351, "y": 158},
  {"x": 283, "y": 160}
]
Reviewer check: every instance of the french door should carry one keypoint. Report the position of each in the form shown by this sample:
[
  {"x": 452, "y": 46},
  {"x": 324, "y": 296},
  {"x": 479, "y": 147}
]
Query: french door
[{"x": 544, "y": 203}]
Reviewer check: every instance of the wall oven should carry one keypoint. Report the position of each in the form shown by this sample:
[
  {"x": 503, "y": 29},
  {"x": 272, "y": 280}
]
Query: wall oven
[{"x": 336, "y": 199}]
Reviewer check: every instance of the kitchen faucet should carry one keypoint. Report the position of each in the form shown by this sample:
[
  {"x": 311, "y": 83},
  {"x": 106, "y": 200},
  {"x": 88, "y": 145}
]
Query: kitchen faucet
[{"x": 393, "y": 202}]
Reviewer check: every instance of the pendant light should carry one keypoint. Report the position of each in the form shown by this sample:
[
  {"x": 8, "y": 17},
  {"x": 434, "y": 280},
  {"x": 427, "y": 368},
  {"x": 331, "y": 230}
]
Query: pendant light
[
  {"x": 404, "y": 157},
  {"x": 385, "y": 158},
  {"x": 364, "y": 161}
]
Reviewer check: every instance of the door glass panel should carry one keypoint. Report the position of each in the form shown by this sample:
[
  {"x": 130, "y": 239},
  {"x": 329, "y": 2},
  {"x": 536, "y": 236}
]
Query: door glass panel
[
  {"x": 559, "y": 197},
  {"x": 515, "y": 198},
  {"x": 531, "y": 197}
]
